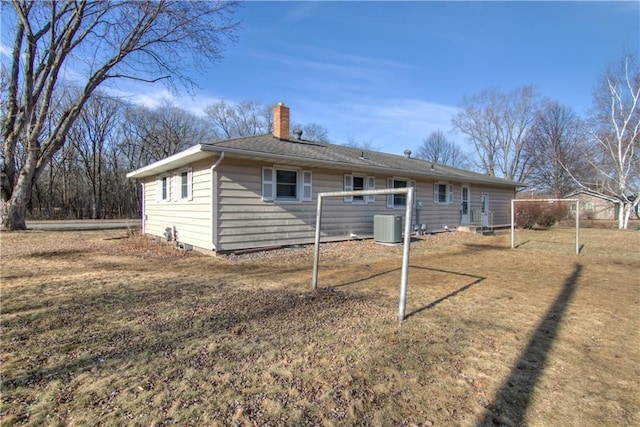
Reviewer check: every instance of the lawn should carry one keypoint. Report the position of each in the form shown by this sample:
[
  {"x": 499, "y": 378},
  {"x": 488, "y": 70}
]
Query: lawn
[{"x": 103, "y": 329}]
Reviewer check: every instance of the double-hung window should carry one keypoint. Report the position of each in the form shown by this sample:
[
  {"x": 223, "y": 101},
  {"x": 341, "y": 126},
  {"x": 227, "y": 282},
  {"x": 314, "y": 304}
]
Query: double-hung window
[
  {"x": 359, "y": 183},
  {"x": 184, "y": 183},
  {"x": 442, "y": 193},
  {"x": 398, "y": 200},
  {"x": 282, "y": 184},
  {"x": 163, "y": 188},
  {"x": 176, "y": 186}
]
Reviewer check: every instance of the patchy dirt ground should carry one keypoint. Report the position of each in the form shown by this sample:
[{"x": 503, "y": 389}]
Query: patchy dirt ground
[{"x": 103, "y": 329}]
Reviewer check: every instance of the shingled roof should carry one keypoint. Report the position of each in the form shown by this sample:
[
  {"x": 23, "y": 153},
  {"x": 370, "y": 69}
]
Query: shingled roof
[
  {"x": 347, "y": 158},
  {"x": 281, "y": 147}
]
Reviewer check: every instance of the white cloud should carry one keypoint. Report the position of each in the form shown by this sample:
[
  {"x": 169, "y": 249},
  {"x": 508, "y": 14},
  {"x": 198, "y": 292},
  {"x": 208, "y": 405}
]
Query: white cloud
[
  {"x": 155, "y": 98},
  {"x": 5, "y": 50},
  {"x": 393, "y": 125}
]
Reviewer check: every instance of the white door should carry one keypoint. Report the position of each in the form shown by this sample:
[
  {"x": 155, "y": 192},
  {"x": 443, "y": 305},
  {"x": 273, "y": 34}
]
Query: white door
[
  {"x": 485, "y": 210},
  {"x": 465, "y": 212}
]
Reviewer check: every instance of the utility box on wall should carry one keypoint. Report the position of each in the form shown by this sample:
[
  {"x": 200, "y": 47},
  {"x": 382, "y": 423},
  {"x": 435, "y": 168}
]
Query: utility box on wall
[{"x": 387, "y": 228}]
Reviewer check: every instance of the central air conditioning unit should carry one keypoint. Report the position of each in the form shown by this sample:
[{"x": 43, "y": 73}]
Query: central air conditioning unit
[{"x": 387, "y": 228}]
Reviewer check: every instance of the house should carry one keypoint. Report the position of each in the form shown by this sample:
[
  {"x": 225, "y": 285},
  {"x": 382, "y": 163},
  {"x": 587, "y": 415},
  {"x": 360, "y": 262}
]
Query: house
[
  {"x": 595, "y": 205},
  {"x": 261, "y": 191}
]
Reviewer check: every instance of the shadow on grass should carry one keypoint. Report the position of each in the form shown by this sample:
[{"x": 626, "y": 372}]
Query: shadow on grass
[
  {"x": 59, "y": 253},
  {"x": 514, "y": 397},
  {"x": 106, "y": 329},
  {"x": 364, "y": 279},
  {"x": 484, "y": 247},
  {"x": 432, "y": 304}
]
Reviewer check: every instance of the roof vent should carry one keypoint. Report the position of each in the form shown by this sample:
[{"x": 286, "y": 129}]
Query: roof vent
[
  {"x": 407, "y": 153},
  {"x": 298, "y": 134}
]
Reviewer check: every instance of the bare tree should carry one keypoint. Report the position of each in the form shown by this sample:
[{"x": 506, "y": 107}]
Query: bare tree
[
  {"x": 364, "y": 145},
  {"x": 313, "y": 132},
  {"x": 614, "y": 152},
  {"x": 97, "y": 128},
  {"x": 97, "y": 41},
  {"x": 553, "y": 149},
  {"x": 243, "y": 119},
  {"x": 438, "y": 149},
  {"x": 165, "y": 130},
  {"x": 497, "y": 123}
]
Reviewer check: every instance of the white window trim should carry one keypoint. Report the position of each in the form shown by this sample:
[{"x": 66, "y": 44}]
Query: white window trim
[
  {"x": 436, "y": 193},
  {"x": 178, "y": 185},
  {"x": 369, "y": 183},
  {"x": 390, "y": 197},
  {"x": 159, "y": 186},
  {"x": 304, "y": 184}
]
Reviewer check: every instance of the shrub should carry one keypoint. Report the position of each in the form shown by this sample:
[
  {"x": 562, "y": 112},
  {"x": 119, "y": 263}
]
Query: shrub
[{"x": 542, "y": 214}]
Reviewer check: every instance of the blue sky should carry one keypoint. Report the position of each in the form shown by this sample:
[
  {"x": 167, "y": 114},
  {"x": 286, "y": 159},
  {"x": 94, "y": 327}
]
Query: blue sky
[{"x": 390, "y": 73}]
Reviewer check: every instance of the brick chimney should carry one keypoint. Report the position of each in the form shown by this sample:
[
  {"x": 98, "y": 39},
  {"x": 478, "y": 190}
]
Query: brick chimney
[{"x": 281, "y": 121}]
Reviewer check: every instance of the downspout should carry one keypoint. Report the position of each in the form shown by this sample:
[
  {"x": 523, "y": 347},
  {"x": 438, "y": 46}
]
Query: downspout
[
  {"x": 214, "y": 202},
  {"x": 143, "y": 208}
]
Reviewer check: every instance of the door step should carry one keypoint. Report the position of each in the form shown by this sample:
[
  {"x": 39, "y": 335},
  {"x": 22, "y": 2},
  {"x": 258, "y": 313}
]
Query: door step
[{"x": 476, "y": 229}]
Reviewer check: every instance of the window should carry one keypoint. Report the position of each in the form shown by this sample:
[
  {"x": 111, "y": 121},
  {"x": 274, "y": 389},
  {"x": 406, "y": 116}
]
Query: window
[
  {"x": 589, "y": 207},
  {"x": 442, "y": 193},
  {"x": 359, "y": 183},
  {"x": 398, "y": 200},
  {"x": 163, "y": 185},
  {"x": 177, "y": 186},
  {"x": 184, "y": 183},
  {"x": 286, "y": 185},
  {"x": 282, "y": 184}
]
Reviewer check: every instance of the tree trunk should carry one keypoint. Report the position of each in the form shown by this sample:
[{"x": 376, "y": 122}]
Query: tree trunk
[
  {"x": 50, "y": 193},
  {"x": 14, "y": 210},
  {"x": 623, "y": 215}
]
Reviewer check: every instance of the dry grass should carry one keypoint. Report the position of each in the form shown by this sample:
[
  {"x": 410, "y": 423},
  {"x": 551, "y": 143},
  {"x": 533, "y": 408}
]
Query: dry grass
[{"x": 99, "y": 329}]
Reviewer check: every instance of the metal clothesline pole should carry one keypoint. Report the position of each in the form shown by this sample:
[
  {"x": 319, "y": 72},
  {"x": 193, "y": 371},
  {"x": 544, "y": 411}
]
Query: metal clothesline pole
[{"x": 409, "y": 192}]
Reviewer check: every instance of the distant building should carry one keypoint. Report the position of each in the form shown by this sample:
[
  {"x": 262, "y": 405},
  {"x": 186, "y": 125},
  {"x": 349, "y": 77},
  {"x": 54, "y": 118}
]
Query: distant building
[{"x": 595, "y": 205}]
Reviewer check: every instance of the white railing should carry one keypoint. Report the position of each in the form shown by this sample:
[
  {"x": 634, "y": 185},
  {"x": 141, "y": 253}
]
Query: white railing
[{"x": 476, "y": 218}]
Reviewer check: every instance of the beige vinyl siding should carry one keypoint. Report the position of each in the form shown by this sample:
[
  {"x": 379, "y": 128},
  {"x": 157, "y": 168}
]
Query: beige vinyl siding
[
  {"x": 243, "y": 220},
  {"x": 499, "y": 202},
  {"x": 246, "y": 221},
  {"x": 191, "y": 219}
]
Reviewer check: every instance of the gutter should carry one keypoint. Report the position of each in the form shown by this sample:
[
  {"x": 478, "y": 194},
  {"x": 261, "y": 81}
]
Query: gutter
[
  {"x": 168, "y": 161},
  {"x": 214, "y": 202}
]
